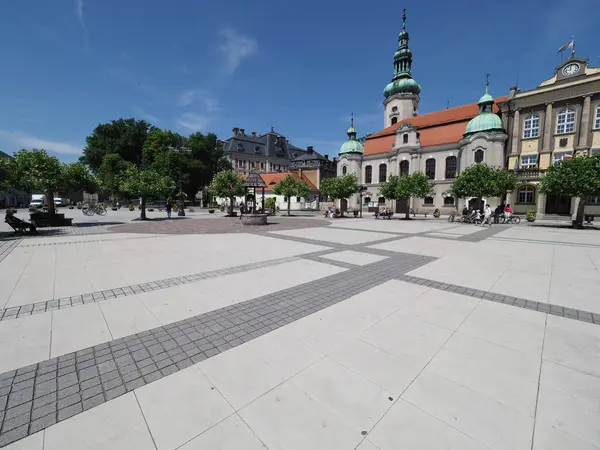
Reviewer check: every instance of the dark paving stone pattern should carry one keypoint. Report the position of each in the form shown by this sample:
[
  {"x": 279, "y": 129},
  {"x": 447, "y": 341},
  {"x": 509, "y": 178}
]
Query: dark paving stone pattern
[
  {"x": 217, "y": 225},
  {"x": 35, "y": 397}
]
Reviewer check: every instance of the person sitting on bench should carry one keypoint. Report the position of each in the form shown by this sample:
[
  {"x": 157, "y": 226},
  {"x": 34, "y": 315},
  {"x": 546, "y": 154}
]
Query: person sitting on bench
[{"x": 16, "y": 223}]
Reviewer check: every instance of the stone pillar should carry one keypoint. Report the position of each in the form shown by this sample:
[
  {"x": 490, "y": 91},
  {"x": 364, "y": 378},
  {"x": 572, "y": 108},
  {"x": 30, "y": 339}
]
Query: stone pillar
[
  {"x": 547, "y": 128},
  {"x": 516, "y": 133},
  {"x": 541, "y": 206},
  {"x": 584, "y": 125},
  {"x": 509, "y": 198}
]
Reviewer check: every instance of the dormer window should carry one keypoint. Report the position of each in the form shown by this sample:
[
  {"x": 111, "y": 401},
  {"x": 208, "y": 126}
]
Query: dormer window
[
  {"x": 240, "y": 148},
  {"x": 257, "y": 149}
]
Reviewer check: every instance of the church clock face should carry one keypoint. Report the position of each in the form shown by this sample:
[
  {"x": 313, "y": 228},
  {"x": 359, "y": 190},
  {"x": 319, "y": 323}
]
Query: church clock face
[{"x": 570, "y": 69}]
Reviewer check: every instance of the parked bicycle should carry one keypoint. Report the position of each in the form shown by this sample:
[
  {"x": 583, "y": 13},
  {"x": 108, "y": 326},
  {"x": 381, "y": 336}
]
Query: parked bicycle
[
  {"x": 452, "y": 217},
  {"x": 512, "y": 219},
  {"x": 90, "y": 210}
]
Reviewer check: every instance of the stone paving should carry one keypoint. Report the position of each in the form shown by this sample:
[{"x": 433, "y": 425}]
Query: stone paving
[{"x": 361, "y": 335}]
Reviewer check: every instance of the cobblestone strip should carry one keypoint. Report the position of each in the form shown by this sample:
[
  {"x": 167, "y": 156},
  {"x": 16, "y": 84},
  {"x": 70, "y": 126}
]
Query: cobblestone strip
[
  {"x": 7, "y": 246},
  {"x": 332, "y": 262},
  {"x": 89, "y": 241},
  {"x": 35, "y": 397},
  {"x": 98, "y": 296},
  {"x": 547, "y": 308}
]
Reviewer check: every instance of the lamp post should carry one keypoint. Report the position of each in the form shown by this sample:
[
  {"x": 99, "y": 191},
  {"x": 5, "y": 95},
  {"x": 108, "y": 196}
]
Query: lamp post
[
  {"x": 181, "y": 206},
  {"x": 361, "y": 189}
]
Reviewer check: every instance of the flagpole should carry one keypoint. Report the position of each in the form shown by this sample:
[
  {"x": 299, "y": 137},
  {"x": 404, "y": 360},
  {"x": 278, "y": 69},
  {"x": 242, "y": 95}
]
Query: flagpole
[{"x": 573, "y": 47}]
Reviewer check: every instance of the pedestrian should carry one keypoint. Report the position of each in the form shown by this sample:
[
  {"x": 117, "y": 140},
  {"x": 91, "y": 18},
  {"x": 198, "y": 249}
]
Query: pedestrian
[
  {"x": 487, "y": 216},
  {"x": 169, "y": 207},
  {"x": 508, "y": 211}
]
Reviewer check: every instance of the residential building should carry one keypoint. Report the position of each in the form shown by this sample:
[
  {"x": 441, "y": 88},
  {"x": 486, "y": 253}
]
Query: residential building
[
  {"x": 438, "y": 144},
  {"x": 558, "y": 119}
]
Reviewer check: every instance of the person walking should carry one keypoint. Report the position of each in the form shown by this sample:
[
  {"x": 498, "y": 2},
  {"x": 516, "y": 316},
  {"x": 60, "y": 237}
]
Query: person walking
[
  {"x": 487, "y": 216},
  {"x": 169, "y": 208}
]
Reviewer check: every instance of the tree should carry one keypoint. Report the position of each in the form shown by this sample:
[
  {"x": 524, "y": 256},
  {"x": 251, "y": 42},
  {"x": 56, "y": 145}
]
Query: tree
[
  {"x": 291, "y": 187},
  {"x": 125, "y": 137},
  {"x": 403, "y": 187},
  {"x": 481, "y": 180},
  {"x": 575, "y": 177},
  {"x": 145, "y": 183},
  {"x": 227, "y": 184},
  {"x": 110, "y": 174},
  {"x": 35, "y": 170},
  {"x": 340, "y": 187}
]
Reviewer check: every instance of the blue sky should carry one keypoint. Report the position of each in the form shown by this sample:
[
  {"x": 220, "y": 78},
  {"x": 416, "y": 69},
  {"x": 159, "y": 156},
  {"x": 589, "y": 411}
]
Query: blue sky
[{"x": 199, "y": 65}]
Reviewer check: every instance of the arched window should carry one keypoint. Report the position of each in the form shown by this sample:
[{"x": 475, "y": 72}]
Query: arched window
[
  {"x": 405, "y": 138},
  {"x": 344, "y": 170},
  {"x": 451, "y": 166},
  {"x": 403, "y": 167},
  {"x": 368, "y": 174},
  {"x": 394, "y": 120},
  {"x": 430, "y": 168},
  {"x": 448, "y": 201},
  {"x": 597, "y": 121},
  {"x": 531, "y": 126},
  {"x": 478, "y": 156},
  {"x": 526, "y": 194},
  {"x": 382, "y": 173},
  {"x": 367, "y": 200},
  {"x": 565, "y": 121}
]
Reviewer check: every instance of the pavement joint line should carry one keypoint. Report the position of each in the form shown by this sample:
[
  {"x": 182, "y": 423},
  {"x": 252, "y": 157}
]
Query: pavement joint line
[
  {"x": 543, "y": 307},
  {"x": 50, "y": 391}
]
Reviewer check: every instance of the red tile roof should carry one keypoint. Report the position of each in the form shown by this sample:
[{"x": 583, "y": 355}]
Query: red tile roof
[
  {"x": 271, "y": 179},
  {"x": 435, "y": 128}
]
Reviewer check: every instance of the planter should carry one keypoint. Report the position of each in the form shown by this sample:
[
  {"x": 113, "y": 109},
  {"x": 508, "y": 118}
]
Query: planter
[
  {"x": 114, "y": 208},
  {"x": 258, "y": 219},
  {"x": 71, "y": 207},
  {"x": 211, "y": 211},
  {"x": 150, "y": 209},
  {"x": 233, "y": 214}
]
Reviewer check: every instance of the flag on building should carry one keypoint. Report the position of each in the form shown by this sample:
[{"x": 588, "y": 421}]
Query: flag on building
[
  {"x": 568, "y": 156},
  {"x": 516, "y": 169},
  {"x": 566, "y": 46}
]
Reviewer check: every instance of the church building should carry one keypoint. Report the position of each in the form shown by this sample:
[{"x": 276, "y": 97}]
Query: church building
[{"x": 438, "y": 144}]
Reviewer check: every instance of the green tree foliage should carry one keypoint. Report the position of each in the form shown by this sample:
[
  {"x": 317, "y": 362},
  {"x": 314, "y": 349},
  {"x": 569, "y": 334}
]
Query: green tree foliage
[
  {"x": 145, "y": 183},
  {"x": 340, "y": 187},
  {"x": 110, "y": 174},
  {"x": 291, "y": 187},
  {"x": 270, "y": 203},
  {"x": 406, "y": 186},
  {"x": 227, "y": 184},
  {"x": 575, "y": 177},
  {"x": 125, "y": 137},
  {"x": 35, "y": 170},
  {"x": 481, "y": 180}
]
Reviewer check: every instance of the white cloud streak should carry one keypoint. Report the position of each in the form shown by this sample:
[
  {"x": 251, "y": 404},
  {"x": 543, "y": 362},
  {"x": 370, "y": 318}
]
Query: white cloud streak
[
  {"x": 236, "y": 47},
  {"x": 193, "y": 122},
  {"x": 79, "y": 6},
  {"x": 23, "y": 140},
  {"x": 146, "y": 115}
]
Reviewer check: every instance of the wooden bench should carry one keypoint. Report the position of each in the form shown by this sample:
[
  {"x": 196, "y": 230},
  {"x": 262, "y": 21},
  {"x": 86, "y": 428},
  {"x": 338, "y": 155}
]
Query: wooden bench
[
  {"x": 384, "y": 215},
  {"x": 414, "y": 214}
]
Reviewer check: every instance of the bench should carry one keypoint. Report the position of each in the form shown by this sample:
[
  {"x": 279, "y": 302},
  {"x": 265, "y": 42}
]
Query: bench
[
  {"x": 589, "y": 218},
  {"x": 384, "y": 215},
  {"x": 414, "y": 214}
]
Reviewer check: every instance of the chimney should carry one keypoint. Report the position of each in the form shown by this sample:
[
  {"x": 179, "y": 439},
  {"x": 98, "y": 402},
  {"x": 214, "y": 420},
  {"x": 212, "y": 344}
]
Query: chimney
[
  {"x": 254, "y": 134},
  {"x": 513, "y": 91},
  {"x": 235, "y": 131},
  {"x": 242, "y": 130},
  {"x": 309, "y": 149},
  {"x": 326, "y": 156}
]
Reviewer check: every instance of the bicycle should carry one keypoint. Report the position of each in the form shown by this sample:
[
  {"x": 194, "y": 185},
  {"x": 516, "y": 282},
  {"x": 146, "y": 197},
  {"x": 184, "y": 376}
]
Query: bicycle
[
  {"x": 452, "y": 217},
  {"x": 509, "y": 220},
  {"x": 90, "y": 210}
]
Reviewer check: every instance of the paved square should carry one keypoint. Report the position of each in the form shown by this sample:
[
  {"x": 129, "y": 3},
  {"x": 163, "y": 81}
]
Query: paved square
[{"x": 368, "y": 335}]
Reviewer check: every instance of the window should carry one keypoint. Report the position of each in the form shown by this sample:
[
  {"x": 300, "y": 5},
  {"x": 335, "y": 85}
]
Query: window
[
  {"x": 593, "y": 201},
  {"x": 565, "y": 121},
  {"x": 394, "y": 109},
  {"x": 428, "y": 201},
  {"x": 528, "y": 161},
  {"x": 344, "y": 170},
  {"x": 405, "y": 138},
  {"x": 394, "y": 120},
  {"x": 531, "y": 128},
  {"x": 382, "y": 173},
  {"x": 368, "y": 174},
  {"x": 451, "y": 164},
  {"x": 381, "y": 200},
  {"x": 297, "y": 199},
  {"x": 526, "y": 194},
  {"x": 478, "y": 157},
  {"x": 448, "y": 201},
  {"x": 558, "y": 157},
  {"x": 430, "y": 168},
  {"x": 367, "y": 200},
  {"x": 597, "y": 121},
  {"x": 403, "y": 167}
]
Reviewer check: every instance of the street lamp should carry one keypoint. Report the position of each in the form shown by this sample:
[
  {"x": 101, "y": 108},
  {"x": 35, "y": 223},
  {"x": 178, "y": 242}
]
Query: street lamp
[{"x": 361, "y": 189}]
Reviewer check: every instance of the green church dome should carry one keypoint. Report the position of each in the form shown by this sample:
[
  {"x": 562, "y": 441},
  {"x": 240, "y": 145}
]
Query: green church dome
[
  {"x": 352, "y": 145},
  {"x": 486, "y": 121},
  {"x": 402, "y": 86}
]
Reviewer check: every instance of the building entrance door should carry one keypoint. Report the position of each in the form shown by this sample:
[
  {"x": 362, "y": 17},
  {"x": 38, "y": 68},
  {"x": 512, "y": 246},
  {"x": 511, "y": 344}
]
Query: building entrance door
[
  {"x": 401, "y": 206},
  {"x": 344, "y": 205},
  {"x": 558, "y": 204}
]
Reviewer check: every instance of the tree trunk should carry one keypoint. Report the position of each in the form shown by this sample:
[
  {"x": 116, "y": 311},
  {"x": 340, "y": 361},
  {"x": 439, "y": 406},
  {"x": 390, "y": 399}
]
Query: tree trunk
[
  {"x": 407, "y": 216},
  {"x": 578, "y": 222},
  {"x": 289, "y": 203},
  {"x": 50, "y": 201},
  {"x": 143, "y": 208},
  {"x": 231, "y": 202}
]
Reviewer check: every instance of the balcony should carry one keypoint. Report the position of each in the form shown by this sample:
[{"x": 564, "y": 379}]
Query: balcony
[{"x": 533, "y": 173}]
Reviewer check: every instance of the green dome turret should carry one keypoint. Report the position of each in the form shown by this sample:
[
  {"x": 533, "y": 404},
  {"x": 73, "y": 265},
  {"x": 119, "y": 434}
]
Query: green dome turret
[
  {"x": 486, "y": 121},
  {"x": 352, "y": 145},
  {"x": 403, "y": 82}
]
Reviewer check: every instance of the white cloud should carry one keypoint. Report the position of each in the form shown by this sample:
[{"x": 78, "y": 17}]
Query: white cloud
[
  {"x": 23, "y": 140},
  {"x": 211, "y": 104},
  {"x": 79, "y": 11},
  {"x": 146, "y": 115},
  {"x": 193, "y": 122},
  {"x": 235, "y": 48}
]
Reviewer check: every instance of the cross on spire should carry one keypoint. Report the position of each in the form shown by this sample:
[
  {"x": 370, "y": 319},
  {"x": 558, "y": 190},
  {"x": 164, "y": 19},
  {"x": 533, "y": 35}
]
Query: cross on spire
[
  {"x": 404, "y": 19},
  {"x": 487, "y": 81},
  {"x": 352, "y": 119}
]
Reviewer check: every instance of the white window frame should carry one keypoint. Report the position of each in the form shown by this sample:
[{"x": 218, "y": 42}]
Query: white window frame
[
  {"x": 593, "y": 201},
  {"x": 528, "y": 161},
  {"x": 597, "y": 119},
  {"x": 558, "y": 157},
  {"x": 528, "y": 190},
  {"x": 531, "y": 126},
  {"x": 565, "y": 121}
]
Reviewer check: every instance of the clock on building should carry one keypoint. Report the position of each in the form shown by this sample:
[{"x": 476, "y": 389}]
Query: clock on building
[{"x": 570, "y": 69}]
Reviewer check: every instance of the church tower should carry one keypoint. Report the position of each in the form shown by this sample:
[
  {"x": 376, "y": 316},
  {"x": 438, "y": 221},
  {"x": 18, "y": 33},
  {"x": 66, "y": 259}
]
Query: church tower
[{"x": 402, "y": 94}]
